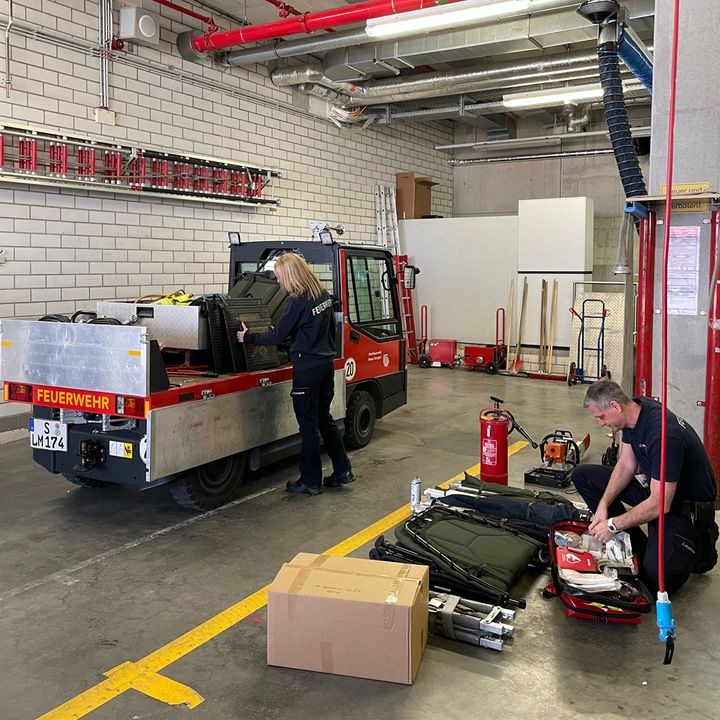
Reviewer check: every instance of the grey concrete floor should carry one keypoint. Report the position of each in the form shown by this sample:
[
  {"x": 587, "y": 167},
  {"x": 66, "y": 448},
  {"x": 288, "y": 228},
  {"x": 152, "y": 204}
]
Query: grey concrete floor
[{"x": 90, "y": 579}]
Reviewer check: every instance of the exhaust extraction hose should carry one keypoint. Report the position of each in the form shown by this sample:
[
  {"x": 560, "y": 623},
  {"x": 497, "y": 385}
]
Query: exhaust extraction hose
[
  {"x": 617, "y": 121},
  {"x": 635, "y": 60}
]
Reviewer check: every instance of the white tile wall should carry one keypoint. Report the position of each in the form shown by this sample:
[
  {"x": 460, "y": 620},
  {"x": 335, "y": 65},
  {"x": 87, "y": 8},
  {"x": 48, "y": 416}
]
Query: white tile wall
[{"x": 67, "y": 248}]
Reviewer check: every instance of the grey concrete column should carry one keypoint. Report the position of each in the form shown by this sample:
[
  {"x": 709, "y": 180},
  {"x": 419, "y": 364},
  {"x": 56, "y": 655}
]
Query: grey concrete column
[{"x": 697, "y": 159}]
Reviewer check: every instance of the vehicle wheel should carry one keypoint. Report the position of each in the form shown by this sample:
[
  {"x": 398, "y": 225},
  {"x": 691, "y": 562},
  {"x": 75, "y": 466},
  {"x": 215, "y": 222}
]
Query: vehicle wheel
[
  {"x": 87, "y": 482},
  {"x": 491, "y": 368},
  {"x": 211, "y": 485},
  {"x": 359, "y": 420},
  {"x": 424, "y": 361}
]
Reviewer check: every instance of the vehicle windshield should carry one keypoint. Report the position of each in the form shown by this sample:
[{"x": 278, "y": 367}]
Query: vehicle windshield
[{"x": 267, "y": 264}]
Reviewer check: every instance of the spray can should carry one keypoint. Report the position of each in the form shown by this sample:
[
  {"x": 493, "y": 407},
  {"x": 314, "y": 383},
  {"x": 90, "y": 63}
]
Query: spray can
[{"x": 415, "y": 492}]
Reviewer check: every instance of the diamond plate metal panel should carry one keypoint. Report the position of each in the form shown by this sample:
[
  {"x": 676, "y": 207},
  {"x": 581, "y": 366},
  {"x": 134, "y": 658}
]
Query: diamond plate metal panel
[
  {"x": 173, "y": 326},
  {"x": 105, "y": 358}
]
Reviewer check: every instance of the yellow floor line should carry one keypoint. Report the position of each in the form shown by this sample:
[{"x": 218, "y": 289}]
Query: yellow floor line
[{"x": 143, "y": 675}]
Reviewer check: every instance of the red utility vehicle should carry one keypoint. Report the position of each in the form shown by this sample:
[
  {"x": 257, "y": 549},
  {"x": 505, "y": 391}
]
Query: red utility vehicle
[{"x": 106, "y": 410}]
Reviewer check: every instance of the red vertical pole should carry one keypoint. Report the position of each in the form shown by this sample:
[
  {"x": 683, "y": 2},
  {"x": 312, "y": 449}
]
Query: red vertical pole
[
  {"x": 234, "y": 183},
  {"x": 645, "y": 310},
  {"x": 155, "y": 172},
  {"x": 63, "y": 159},
  {"x": 113, "y": 167},
  {"x": 92, "y": 166},
  {"x": 33, "y": 155},
  {"x": 712, "y": 369},
  {"x": 179, "y": 176}
]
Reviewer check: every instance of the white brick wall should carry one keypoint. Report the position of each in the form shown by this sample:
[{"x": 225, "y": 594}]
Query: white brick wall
[{"x": 65, "y": 248}]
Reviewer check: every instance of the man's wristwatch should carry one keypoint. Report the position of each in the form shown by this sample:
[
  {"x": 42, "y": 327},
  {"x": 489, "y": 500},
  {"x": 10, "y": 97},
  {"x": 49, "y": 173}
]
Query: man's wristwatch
[{"x": 612, "y": 527}]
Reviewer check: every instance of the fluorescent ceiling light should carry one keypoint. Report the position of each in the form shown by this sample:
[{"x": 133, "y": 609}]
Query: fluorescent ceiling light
[
  {"x": 561, "y": 96},
  {"x": 443, "y": 17},
  {"x": 557, "y": 96},
  {"x": 518, "y": 142}
]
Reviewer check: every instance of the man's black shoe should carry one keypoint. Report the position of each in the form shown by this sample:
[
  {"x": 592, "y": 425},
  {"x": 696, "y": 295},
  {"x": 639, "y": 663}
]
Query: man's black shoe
[
  {"x": 337, "y": 480},
  {"x": 299, "y": 488}
]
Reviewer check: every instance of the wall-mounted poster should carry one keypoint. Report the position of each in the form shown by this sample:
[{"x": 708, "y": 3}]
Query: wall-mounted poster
[{"x": 683, "y": 271}]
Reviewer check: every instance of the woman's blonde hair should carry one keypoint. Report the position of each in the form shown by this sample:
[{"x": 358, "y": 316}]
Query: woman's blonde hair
[{"x": 295, "y": 275}]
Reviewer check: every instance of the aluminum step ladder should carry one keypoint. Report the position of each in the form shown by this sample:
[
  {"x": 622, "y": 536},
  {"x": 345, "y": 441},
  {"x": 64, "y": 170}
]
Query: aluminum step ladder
[{"x": 388, "y": 237}]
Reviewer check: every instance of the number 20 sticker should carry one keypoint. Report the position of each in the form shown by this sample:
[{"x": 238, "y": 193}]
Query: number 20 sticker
[{"x": 350, "y": 368}]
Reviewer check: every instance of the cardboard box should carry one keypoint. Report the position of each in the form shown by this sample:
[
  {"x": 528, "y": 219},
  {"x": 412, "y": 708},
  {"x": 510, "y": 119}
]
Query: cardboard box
[
  {"x": 414, "y": 196},
  {"x": 349, "y": 616}
]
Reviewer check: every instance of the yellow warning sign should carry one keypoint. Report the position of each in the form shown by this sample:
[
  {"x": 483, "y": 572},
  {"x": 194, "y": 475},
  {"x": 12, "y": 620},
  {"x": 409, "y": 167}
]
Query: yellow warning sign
[
  {"x": 687, "y": 188},
  {"x": 691, "y": 204},
  {"x": 127, "y": 450}
]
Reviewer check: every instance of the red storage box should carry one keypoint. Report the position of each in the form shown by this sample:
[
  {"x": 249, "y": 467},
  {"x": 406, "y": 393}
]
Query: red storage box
[
  {"x": 442, "y": 351},
  {"x": 476, "y": 356}
]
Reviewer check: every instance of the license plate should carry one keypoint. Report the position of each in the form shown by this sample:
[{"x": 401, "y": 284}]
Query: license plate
[{"x": 48, "y": 435}]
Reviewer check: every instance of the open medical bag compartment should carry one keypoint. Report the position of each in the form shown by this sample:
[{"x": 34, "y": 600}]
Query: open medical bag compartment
[{"x": 626, "y": 605}]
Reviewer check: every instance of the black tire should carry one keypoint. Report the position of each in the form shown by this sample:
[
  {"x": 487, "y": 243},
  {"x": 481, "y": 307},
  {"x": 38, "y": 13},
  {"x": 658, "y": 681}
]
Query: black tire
[
  {"x": 424, "y": 361},
  {"x": 491, "y": 368},
  {"x": 211, "y": 485},
  {"x": 86, "y": 482},
  {"x": 359, "y": 420}
]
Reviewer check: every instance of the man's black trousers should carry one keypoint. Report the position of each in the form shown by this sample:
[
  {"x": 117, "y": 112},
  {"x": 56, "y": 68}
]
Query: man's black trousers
[
  {"x": 312, "y": 394},
  {"x": 680, "y": 534}
]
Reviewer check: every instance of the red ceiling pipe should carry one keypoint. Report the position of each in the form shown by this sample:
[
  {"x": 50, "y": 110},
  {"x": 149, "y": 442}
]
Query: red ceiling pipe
[
  {"x": 284, "y": 8},
  {"x": 645, "y": 310},
  {"x": 287, "y": 10},
  {"x": 212, "y": 27},
  {"x": 192, "y": 46},
  {"x": 712, "y": 370}
]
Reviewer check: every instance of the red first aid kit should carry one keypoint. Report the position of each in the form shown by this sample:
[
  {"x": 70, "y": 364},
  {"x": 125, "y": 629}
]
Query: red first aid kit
[{"x": 626, "y": 605}]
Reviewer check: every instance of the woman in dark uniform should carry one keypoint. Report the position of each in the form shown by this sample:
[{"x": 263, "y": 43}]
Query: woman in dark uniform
[{"x": 308, "y": 323}]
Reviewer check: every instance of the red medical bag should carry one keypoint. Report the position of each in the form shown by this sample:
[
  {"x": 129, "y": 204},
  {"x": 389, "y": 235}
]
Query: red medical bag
[{"x": 626, "y": 606}]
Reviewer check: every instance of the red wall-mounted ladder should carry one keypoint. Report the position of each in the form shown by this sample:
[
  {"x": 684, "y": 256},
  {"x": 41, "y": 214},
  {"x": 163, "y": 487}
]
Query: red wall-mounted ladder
[
  {"x": 406, "y": 309},
  {"x": 41, "y": 156}
]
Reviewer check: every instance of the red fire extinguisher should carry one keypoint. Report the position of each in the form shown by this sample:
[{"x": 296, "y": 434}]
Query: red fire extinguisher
[{"x": 496, "y": 424}]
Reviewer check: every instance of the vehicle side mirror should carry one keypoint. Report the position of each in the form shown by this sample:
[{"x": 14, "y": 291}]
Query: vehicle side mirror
[{"x": 409, "y": 274}]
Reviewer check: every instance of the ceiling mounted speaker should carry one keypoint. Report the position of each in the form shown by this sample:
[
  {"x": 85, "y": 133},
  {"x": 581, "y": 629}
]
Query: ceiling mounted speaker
[{"x": 140, "y": 26}]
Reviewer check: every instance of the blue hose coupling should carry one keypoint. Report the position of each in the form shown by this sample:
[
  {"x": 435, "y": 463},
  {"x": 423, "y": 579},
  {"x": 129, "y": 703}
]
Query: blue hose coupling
[
  {"x": 665, "y": 620},
  {"x": 666, "y": 623}
]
